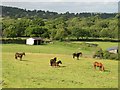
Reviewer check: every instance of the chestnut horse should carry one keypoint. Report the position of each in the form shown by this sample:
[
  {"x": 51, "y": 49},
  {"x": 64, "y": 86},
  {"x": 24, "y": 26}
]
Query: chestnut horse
[
  {"x": 19, "y": 54},
  {"x": 100, "y": 65},
  {"x": 77, "y": 55}
]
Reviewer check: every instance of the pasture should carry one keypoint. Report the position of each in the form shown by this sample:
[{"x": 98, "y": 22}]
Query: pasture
[{"x": 34, "y": 71}]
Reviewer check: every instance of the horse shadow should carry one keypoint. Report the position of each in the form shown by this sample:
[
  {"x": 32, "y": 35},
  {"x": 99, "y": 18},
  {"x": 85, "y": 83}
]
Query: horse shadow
[
  {"x": 23, "y": 60},
  {"x": 106, "y": 70},
  {"x": 62, "y": 66}
]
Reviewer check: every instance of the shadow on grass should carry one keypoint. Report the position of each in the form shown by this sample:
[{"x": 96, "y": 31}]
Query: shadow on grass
[
  {"x": 23, "y": 60},
  {"x": 106, "y": 70},
  {"x": 62, "y": 66}
]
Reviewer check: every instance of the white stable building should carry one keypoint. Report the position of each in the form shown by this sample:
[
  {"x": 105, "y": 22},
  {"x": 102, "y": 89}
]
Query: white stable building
[{"x": 34, "y": 41}]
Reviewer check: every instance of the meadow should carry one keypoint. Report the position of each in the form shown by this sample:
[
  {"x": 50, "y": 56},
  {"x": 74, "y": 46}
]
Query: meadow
[{"x": 34, "y": 71}]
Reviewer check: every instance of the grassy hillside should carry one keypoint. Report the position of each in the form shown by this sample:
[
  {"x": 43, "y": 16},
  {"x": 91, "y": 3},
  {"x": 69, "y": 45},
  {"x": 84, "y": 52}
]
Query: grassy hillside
[
  {"x": 35, "y": 72},
  {"x": 54, "y": 48}
]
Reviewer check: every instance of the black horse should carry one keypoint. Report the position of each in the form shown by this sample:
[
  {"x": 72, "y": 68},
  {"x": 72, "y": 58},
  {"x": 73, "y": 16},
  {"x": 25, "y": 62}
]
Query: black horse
[
  {"x": 77, "y": 55},
  {"x": 58, "y": 62},
  {"x": 19, "y": 54}
]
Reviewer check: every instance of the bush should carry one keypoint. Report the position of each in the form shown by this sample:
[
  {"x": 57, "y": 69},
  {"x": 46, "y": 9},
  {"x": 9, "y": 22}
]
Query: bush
[
  {"x": 108, "y": 55},
  {"x": 114, "y": 56},
  {"x": 98, "y": 53}
]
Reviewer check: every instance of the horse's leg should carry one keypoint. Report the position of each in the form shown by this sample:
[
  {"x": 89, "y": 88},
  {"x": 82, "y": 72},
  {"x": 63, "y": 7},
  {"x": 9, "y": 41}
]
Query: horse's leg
[
  {"x": 20, "y": 58},
  {"x": 57, "y": 65},
  {"x": 94, "y": 66},
  {"x": 73, "y": 56},
  {"x": 51, "y": 64},
  {"x": 15, "y": 57},
  {"x": 100, "y": 68},
  {"x": 103, "y": 68}
]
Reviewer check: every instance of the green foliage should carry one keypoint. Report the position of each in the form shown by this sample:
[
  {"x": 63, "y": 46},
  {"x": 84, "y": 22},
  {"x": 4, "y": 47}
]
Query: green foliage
[
  {"x": 105, "y": 54},
  {"x": 78, "y": 32},
  {"x": 38, "y": 21},
  {"x": 10, "y": 31},
  {"x": 108, "y": 55},
  {"x": 58, "y": 26},
  {"x": 98, "y": 53},
  {"x": 36, "y": 31}
]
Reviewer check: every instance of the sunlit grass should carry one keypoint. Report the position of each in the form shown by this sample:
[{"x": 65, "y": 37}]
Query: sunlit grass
[{"x": 35, "y": 72}]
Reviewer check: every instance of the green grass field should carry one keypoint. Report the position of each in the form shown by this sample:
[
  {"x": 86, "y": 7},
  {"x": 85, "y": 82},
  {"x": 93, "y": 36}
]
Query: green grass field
[{"x": 35, "y": 72}]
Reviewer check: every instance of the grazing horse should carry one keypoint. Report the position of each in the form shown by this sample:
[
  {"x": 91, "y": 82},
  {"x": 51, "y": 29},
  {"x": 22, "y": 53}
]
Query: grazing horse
[
  {"x": 57, "y": 63},
  {"x": 19, "y": 54},
  {"x": 100, "y": 65},
  {"x": 77, "y": 55},
  {"x": 53, "y": 61}
]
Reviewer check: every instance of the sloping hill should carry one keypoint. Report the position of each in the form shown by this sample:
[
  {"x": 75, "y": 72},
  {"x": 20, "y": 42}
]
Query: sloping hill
[{"x": 15, "y": 12}]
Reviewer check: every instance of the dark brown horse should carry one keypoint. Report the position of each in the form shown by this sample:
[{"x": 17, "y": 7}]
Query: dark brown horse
[
  {"x": 53, "y": 61},
  {"x": 100, "y": 65},
  {"x": 77, "y": 55},
  {"x": 19, "y": 55}
]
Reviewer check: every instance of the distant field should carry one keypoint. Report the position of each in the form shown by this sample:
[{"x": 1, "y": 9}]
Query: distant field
[
  {"x": 57, "y": 47},
  {"x": 103, "y": 45},
  {"x": 35, "y": 72}
]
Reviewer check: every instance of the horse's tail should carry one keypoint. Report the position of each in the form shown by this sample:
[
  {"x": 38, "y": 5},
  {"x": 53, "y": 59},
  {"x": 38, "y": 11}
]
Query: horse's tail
[
  {"x": 103, "y": 68},
  {"x": 24, "y": 53}
]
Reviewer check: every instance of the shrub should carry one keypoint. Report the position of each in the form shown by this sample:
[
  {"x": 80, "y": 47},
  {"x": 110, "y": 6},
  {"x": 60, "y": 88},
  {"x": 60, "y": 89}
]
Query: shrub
[
  {"x": 98, "y": 53},
  {"x": 108, "y": 55}
]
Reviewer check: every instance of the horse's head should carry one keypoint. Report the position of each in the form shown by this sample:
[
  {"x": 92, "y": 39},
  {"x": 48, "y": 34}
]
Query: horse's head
[
  {"x": 80, "y": 53},
  {"x": 23, "y": 53},
  {"x": 59, "y": 62},
  {"x": 55, "y": 58}
]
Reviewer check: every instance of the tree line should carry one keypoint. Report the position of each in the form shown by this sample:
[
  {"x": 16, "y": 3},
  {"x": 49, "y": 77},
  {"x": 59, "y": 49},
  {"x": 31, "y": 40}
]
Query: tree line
[
  {"x": 25, "y": 23},
  {"x": 14, "y": 12}
]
